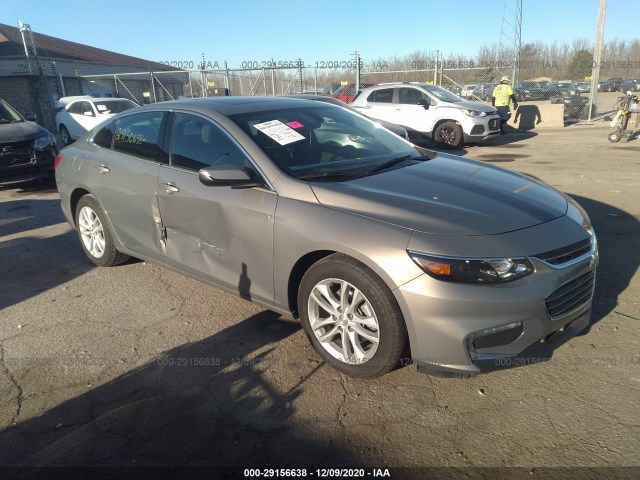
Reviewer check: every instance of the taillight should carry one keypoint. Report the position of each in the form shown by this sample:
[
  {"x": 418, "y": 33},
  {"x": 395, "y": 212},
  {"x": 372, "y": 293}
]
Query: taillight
[{"x": 58, "y": 159}]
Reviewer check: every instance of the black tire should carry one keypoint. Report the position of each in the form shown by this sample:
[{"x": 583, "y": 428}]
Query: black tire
[
  {"x": 615, "y": 137},
  {"x": 448, "y": 133},
  {"x": 378, "y": 302},
  {"x": 65, "y": 136},
  {"x": 90, "y": 210}
]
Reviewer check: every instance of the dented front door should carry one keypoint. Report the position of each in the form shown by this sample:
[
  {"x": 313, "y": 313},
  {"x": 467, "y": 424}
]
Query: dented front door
[{"x": 221, "y": 234}]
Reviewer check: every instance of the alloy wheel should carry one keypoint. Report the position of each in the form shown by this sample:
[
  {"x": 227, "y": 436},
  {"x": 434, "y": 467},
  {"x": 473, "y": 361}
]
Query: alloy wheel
[
  {"x": 344, "y": 321},
  {"x": 91, "y": 232}
]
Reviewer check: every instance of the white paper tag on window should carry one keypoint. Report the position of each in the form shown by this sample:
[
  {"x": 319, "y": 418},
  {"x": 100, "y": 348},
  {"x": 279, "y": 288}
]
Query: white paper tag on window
[
  {"x": 281, "y": 133},
  {"x": 101, "y": 108}
]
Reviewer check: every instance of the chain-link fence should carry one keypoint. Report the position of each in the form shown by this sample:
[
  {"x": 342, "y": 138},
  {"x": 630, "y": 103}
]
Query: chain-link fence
[
  {"x": 541, "y": 74},
  {"x": 151, "y": 87}
]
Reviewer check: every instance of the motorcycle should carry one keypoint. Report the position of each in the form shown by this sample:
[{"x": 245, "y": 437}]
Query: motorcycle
[{"x": 626, "y": 106}]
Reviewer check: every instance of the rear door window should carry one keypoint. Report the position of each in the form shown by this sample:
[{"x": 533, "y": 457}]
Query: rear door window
[
  {"x": 381, "y": 96},
  {"x": 139, "y": 135}
]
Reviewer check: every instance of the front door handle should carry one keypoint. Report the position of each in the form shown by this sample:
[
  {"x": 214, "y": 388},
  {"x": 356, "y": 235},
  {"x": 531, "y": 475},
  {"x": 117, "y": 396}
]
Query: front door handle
[
  {"x": 169, "y": 188},
  {"x": 102, "y": 169}
]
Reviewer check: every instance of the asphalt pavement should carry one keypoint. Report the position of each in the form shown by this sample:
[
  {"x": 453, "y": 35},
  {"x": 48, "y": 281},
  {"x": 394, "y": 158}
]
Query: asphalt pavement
[{"x": 140, "y": 366}]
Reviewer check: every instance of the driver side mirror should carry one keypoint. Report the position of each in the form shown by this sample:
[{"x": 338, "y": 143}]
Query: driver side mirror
[
  {"x": 30, "y": 117},
  {"x": 227, "y": 176},
  {"x": 424, "y": 104}
]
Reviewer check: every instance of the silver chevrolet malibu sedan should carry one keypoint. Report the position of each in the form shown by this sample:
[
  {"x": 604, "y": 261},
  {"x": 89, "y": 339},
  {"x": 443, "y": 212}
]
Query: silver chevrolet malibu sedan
[{"x": 387, "y": 252}]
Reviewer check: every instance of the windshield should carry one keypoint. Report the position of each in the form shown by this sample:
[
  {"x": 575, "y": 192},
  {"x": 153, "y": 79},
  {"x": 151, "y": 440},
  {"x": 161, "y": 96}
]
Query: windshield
[
  {"x": 113, "y": 106},
  {"x": 323, "y": 141},
  {"x": 8, "y": 114},
  {"x": 442, "y": 94}
]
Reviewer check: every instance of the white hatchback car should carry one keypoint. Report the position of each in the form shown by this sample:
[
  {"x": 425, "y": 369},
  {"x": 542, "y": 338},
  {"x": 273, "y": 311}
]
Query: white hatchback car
[
  {"x": 77, "y": 115},
  {"x": 428, "y": 111}
]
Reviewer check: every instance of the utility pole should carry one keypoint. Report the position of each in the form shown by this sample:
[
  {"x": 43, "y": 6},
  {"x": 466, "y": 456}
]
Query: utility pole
[{"x": 597, "y": 56}]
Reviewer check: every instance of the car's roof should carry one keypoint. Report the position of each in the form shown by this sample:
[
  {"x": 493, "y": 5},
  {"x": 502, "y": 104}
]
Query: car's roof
[{"x": 234, "y": 105}]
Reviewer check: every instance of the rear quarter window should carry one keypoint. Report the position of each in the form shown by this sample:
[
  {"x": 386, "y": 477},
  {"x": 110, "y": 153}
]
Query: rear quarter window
[{"x": 104, "y": 137}]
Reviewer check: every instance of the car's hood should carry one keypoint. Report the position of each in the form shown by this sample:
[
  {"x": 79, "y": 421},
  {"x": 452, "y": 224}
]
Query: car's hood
[
  {"x": 21, "y": 131},
  {"x": 471, "y": 105},
  {"x": 447, "y": 196}
]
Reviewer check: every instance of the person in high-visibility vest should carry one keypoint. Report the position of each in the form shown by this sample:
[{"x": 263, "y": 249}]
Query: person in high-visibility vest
[{"x": 501, "y": 99}]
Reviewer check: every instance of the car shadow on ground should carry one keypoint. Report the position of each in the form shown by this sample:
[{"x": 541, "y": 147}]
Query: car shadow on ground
[
  {"x": 618, "y": 232},
  {"x": 44, "y": 185},
  {"x": 32, "y": 264},
  {"x": 203, "y": 404}
]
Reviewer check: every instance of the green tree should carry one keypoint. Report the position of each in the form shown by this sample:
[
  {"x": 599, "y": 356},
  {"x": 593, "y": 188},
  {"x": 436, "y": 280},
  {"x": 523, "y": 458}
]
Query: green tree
[{"x": 580, "y": 65}]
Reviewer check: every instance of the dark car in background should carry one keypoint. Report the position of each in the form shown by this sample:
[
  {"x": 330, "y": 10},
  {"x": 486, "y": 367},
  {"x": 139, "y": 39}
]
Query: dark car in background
[
  {"x": 528, "y": 91},
  {"x": 575, "y": 105},
  {"x": 630, "y": 85},
  {"x": 610, "y": 85},
  {"x": 560, "y": 89},
  {"x": 27, "y": 150}
]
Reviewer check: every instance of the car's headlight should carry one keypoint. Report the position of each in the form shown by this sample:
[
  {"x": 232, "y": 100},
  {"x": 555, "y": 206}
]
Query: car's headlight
[
  {"x": 473, "y": 270},
  {"x": 41, "y": 143},
  {"x": 474, "y": 113}
]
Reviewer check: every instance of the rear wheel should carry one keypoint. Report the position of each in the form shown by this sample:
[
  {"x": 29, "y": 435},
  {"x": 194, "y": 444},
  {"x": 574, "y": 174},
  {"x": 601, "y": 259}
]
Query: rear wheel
[
  {"x": 449, "y": 133},
  {"x": 351, "y": 317},
  {"x": 95, "y": 237}
]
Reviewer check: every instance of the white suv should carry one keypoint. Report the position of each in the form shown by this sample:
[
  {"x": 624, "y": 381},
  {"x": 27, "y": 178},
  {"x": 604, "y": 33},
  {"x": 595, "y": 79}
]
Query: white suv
[{"x": 431, "y": 111}]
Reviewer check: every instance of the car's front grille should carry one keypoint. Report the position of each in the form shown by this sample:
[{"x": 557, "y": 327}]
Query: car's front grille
[
  {"x": 493, "y": 124},
  {"x": 570, "y": 296},
  {"x": 565, "y": 254},
  {"x": 15, "y": 154}
]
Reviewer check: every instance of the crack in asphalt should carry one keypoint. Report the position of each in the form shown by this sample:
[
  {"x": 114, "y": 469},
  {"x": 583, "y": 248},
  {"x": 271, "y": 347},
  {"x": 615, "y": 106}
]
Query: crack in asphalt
[
  {"x": 625, "y": 315},
  {"x": 14, "y": 382},
  {"x": 343, "y": 402}
]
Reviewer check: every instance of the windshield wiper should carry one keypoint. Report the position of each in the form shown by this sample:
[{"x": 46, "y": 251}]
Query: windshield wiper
[
  {"x": 394, "y": 161},
  {"x": 329, "y": 176}
]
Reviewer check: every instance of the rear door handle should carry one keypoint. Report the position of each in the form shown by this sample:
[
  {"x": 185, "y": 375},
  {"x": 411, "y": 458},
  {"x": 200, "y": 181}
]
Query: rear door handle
[
  {"x": 102, "y": 169},
  {"x": 169, "y": 188}
]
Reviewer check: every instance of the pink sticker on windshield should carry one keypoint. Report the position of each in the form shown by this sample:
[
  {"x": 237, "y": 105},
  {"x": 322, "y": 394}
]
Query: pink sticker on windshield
[{"x": 295, "y": 124}]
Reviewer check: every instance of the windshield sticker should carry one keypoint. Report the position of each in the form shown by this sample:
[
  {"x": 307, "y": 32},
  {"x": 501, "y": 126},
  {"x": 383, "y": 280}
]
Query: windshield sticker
[
  {"x": 278, "y": 131},
  {"x": 295, "y": 124},
  {"x": 101, "y": 108}
]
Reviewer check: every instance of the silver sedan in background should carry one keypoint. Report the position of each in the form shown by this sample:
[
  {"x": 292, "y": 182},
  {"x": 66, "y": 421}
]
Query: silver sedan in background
[{"x": 388, "y": 253}]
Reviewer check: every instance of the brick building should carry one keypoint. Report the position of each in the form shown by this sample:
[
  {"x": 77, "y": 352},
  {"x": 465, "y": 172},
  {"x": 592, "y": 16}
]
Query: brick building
[{"x": 58, "y": 69}]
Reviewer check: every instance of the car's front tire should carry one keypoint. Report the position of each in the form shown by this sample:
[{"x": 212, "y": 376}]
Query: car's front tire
[
  {"x": 351, "y": 317},
  {"x": 449, "y": 133},
  {"x": 94, "y": 234},
  {"x": 64, "y": 135}
]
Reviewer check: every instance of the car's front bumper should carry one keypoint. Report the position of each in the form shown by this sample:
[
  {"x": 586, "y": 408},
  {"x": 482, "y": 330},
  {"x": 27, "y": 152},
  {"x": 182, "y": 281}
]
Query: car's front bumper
[
  {"x": 36, "y": 165},
  {"x": 513, "y": 318},
  {"x": 477, "y": 132}
]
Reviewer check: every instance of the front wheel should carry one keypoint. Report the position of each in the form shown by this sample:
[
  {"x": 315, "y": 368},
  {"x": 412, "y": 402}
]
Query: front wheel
[
  {"x": 449, "y": 133},
  {"x": 64, "y": 135},
  {"x": 95, "y": 237},
  {"x": 351, "y": 317},
  {"x": 615, "y": 137}
]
